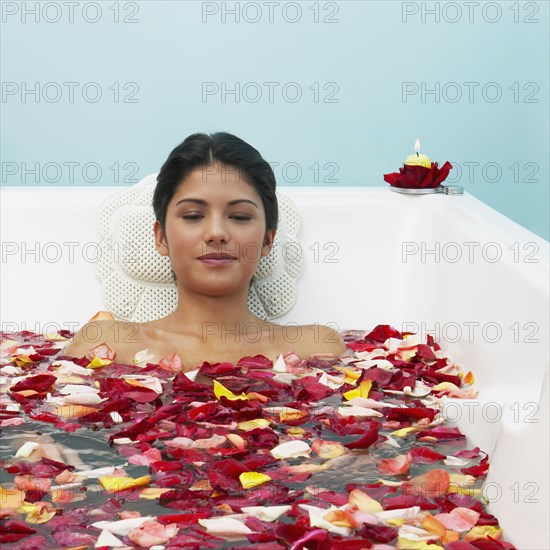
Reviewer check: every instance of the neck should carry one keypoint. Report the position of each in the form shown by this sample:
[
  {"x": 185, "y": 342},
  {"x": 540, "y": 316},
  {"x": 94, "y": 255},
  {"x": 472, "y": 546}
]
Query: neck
[{"x": 211, "y": 317}]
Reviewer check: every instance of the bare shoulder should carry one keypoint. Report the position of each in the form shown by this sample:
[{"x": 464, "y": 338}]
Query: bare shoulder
[
  {"x": 115, "y": 334},
  {"x": 321, "y": 339}
]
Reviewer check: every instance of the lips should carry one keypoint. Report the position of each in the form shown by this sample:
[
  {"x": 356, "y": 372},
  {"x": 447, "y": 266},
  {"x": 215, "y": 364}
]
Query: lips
[{"x": 217, "y": 256}]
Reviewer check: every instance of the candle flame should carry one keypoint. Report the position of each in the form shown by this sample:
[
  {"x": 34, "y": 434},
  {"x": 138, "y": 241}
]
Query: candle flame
[{"x": 417, "y": 145}]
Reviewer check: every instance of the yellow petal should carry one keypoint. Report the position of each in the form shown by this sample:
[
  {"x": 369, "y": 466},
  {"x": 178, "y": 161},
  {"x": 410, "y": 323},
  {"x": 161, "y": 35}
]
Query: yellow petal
[
  {"x": 69, "y": 412},
  {"x": 119, "y": 483},
  {"x": 389, "y": 483},
  {"x": 296, "y": 431},
  {"x": 403, "y": 432},
  {"x": 351, "y": 376},
  {"x": 396, "y": 522},
  {"x": 41, "y": 512},
  {"x": 11, "y": 498},
  {"x": 21, "y": 360},
  {"x": 253, "y": 424},
  {"x": 445, "y": 386},
  {"x": 253, "y": 479},
  {"x": 461, "y": 480},
  {"x": 409, "y": 544},
  {"x": 463, "y": 491},
  {"x": 220, "y": 390},
  {"x": 482, "y": 532},
  {"x": 151, "y": 493},
  {"x": 364, "y": 502},
  {"x": 102, "y": 315},
  {"x": 351, "y": 394},
  {"x": 289, "y": 415},
  {"x": 362, "y": 391},
  {"x": 97, "y": 362},
  {"x": 237, "y": 440}
]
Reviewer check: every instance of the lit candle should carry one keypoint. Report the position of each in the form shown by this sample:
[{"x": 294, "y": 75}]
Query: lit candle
[{"x": 418, "y": 159}]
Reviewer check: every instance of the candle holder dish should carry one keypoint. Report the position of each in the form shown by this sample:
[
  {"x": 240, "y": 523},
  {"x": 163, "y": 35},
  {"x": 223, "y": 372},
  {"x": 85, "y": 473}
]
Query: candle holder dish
[{"x": 421, "y": 180}]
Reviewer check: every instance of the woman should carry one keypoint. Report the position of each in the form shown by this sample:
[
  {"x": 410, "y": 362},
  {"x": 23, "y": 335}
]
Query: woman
[{"x": 216, "y": 216}]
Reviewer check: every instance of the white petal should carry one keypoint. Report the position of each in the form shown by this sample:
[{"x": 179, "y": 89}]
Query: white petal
[
  {"x": 291, "y": 449},
  {"x": 403, "y": 513},
  {"x": 280, "y": 365},
  {"x": 225, "y": 526},
  {"x": 26, "y": 449},
  {"x": 455, "y": 461},
  {"x": 266, "y": 513},
  {"x": 123, "y": 526},
  {"x": 316, "y": 516},
  {"x": 108, "y": 539},
  {"x": 68, "y": 367},
  {"x": 410, "y": 532},
  {"x": 116, "y": 417},
  {"x": 93, "y": 474},
  {"x": 357, "y": 411}
]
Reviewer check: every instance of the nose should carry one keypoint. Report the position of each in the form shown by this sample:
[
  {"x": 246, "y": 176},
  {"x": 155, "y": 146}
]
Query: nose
[{"x": 216, "y": 230}]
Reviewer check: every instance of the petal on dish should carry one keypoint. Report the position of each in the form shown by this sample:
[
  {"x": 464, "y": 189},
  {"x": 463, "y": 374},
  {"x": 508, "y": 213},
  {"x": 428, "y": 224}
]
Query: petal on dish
[
  {"x": 291, "y": 449},
  {"x": 431, "y": 484},
  {"x": 469, "y": 378},
  {"x": 249, "y": 480},
  {"x": 395, "y": 466},
  {"x": 114, "y": 484}
]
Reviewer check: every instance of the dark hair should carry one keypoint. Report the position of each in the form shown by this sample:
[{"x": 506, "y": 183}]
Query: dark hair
[{"x": 202, "y": 150}]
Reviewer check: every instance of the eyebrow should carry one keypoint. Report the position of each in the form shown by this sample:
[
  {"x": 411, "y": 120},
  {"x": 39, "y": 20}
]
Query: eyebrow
[{"x": 205, "y": 203}]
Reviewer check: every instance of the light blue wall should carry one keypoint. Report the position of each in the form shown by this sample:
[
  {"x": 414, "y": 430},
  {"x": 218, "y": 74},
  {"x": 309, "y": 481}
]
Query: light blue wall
[{"x": 363, "y": 56}]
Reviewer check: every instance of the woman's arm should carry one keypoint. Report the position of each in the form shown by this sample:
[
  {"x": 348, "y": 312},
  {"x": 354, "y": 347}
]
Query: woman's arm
[{"x": 81, "y": 343}]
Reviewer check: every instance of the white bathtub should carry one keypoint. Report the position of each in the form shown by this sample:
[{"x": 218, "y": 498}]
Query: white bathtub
[{"x": 363, "y": 266}]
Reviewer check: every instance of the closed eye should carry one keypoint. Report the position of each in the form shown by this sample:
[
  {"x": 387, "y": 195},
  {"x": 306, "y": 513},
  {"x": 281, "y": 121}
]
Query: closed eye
[{"x": 198, "y": 216}]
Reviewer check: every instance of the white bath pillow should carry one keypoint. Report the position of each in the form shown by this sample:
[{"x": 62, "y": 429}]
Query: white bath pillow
[{"x": 137, "y": 281}]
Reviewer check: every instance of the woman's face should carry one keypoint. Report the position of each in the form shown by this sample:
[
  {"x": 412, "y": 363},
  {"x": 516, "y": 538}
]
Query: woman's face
[{"x": 214, "y": 210}]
